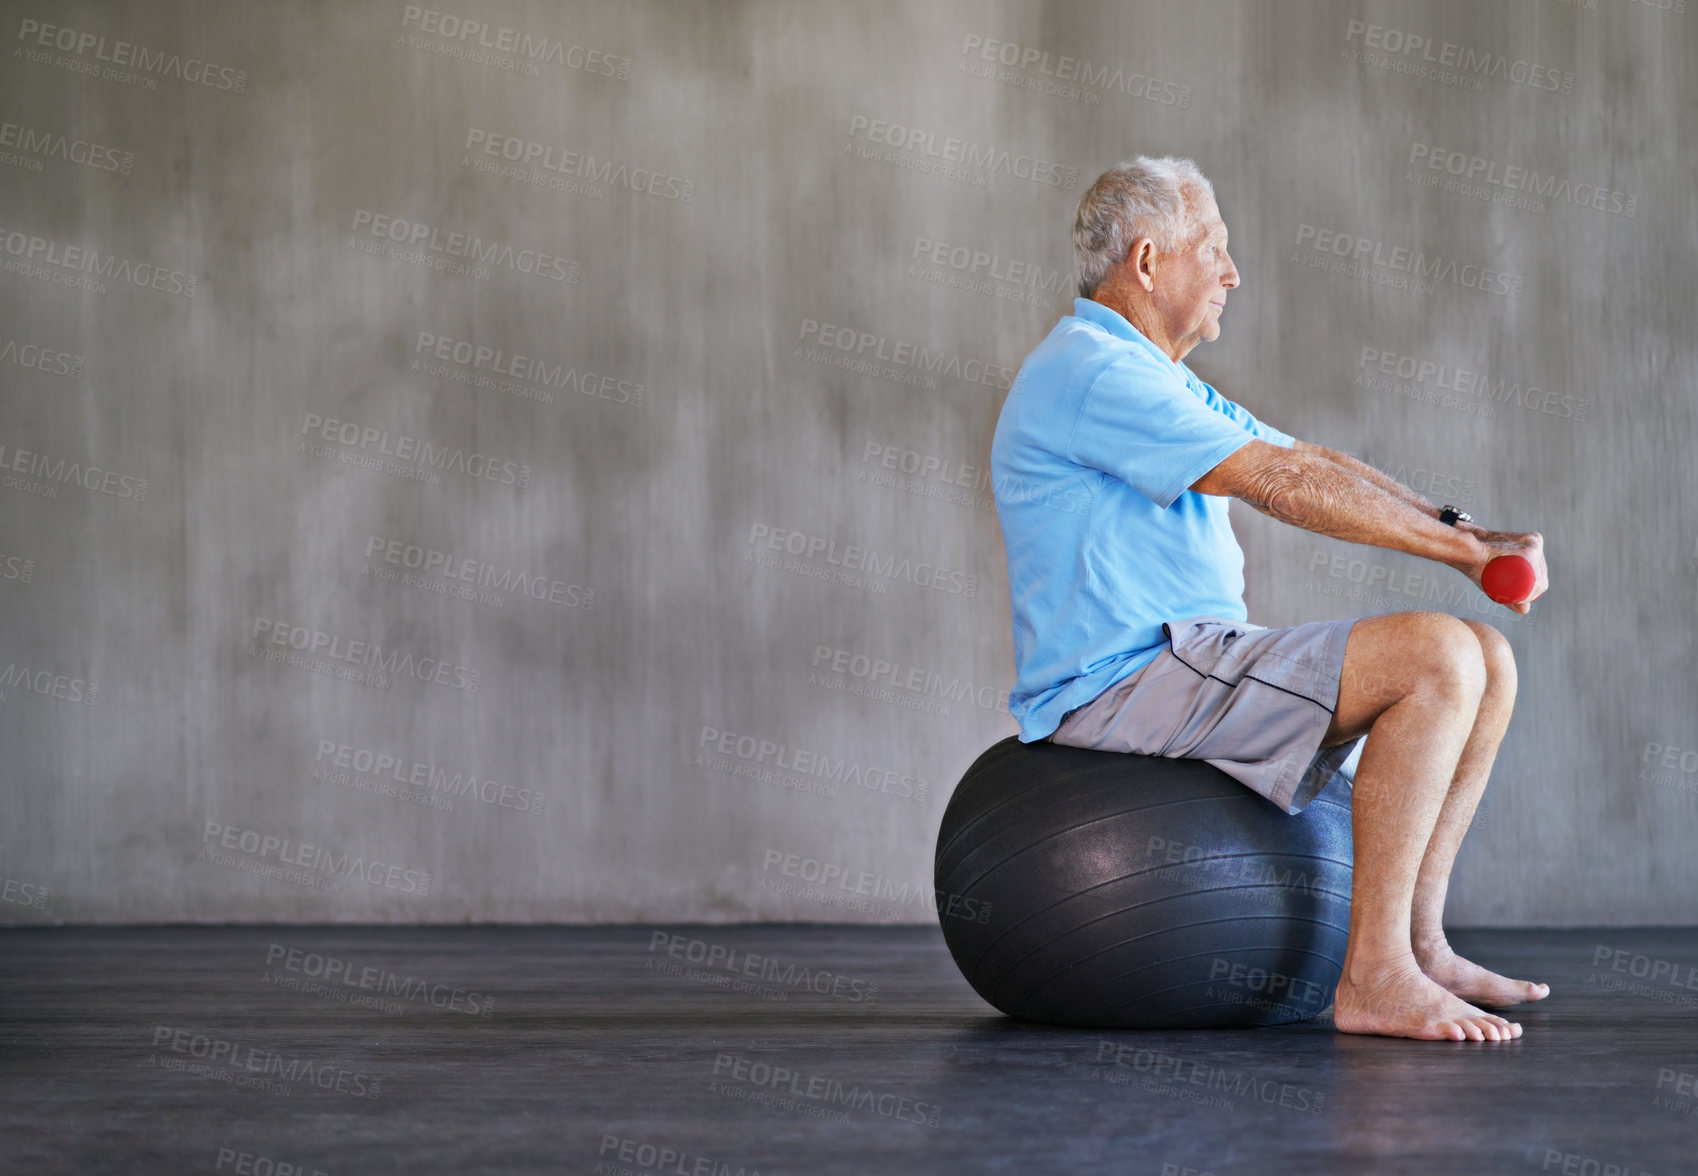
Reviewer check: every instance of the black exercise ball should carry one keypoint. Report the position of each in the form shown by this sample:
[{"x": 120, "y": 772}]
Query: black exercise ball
[{"x": 1099, "y": 889}]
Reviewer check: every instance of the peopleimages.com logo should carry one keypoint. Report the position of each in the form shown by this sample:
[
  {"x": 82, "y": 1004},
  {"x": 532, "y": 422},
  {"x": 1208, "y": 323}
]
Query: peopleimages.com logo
[
  {"x": 920, "y": 145},
  {"x": 289, "y": 852},
  {"x": 1422, "y": 56},
  {"x": 129, "y": 56},
  {"x": 857, "y": 562},
  {"x": 1044, "y": 71}
]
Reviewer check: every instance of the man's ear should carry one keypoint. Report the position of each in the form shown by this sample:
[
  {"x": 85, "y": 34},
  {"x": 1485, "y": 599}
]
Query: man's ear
[{"x": 1140, "y": 262}]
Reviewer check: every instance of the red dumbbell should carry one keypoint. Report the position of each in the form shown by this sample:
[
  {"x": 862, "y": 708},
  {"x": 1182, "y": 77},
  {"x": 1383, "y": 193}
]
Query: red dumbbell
[{"x": 1508, "y": 579}]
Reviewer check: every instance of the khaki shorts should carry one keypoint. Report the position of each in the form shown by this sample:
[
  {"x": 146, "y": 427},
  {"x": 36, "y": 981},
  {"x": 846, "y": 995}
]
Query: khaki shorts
[{"x": 1254, "y": 702}]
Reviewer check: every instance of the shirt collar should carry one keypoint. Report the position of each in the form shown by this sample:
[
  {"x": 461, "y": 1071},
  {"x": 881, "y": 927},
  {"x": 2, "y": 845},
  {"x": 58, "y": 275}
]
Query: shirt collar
[{"x": 1117, "y": 325}]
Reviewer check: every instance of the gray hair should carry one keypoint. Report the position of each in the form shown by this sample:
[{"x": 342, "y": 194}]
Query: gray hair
[{"x": 1140, "y": 197}]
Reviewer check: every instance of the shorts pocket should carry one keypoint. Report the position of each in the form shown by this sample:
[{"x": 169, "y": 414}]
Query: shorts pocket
[{"x": 1210, "y": 646}]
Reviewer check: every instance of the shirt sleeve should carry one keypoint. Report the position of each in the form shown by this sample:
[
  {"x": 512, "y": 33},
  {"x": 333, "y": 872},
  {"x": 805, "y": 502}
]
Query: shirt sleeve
[
  {"x": 1146, "y": 427},
  {"x": 1242, "y": 415}
]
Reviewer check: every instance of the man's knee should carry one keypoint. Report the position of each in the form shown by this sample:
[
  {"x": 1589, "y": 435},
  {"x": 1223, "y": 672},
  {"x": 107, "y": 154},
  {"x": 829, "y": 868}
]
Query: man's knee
[
  {"x": 1393, "y": 656},
  {"x": 1449, "y": 655},
  {"x": 1499, "y": 658},
  {"x": 1417, "y": 651}
]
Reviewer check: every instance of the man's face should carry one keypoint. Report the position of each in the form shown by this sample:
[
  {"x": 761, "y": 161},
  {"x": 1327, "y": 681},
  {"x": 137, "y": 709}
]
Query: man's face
[{"x": 1191, "y": 283}]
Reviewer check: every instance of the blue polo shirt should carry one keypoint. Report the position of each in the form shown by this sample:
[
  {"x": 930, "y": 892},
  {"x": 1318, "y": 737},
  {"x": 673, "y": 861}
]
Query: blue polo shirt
[{"x": 1098, "y": 443}]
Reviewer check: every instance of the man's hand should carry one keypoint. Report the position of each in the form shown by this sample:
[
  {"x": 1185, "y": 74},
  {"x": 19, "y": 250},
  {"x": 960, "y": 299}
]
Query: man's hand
[{"x": 1529, "y": 545}]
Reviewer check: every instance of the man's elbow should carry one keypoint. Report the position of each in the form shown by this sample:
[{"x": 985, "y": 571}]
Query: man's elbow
[
  {"x": 1252, "y": 471},
  {"x": 1280, "y": 483},
  {"x": 1295, "y": 490},
  {"x": 1286, "y": 497}
]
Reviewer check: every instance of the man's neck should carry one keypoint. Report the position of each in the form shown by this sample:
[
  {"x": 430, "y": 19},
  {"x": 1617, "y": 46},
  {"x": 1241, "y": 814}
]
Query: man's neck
[{"x": 1142, "y": 316}]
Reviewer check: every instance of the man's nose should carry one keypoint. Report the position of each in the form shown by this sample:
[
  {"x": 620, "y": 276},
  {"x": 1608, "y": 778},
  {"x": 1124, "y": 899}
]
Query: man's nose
[{"x": 1230, "y": 278}]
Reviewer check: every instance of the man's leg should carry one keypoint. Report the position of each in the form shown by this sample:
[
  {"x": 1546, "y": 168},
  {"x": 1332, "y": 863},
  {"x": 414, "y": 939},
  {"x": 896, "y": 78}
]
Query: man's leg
[
  {"x": 1426, "y": 929},
  {"x": 1414, "y": 682}
]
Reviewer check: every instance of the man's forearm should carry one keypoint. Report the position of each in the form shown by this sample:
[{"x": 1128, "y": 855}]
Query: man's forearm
[
  {"x": 1323, "y": 496},
  {"x": 1369, "y": 474}
]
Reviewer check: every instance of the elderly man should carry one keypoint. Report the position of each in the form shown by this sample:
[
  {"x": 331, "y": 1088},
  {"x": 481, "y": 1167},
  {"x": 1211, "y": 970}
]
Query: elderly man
[{"x": 1112, "y": 467}]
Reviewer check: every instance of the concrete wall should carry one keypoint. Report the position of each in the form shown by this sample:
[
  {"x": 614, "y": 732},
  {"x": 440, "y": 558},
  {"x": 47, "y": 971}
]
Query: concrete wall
[{"x": 250, "y": 378}]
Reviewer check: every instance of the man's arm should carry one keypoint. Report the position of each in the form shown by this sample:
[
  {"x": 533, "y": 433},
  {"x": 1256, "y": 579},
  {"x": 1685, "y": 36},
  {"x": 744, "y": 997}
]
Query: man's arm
[
  {"x": 1392, "y": 486},
  {"x": 1302, "y": 487},
  {"x": 1369, "y": 474}
]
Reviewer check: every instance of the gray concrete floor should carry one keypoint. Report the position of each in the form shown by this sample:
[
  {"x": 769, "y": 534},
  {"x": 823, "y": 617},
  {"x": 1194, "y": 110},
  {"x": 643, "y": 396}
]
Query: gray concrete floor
[{"x": 784, "y": 1049}]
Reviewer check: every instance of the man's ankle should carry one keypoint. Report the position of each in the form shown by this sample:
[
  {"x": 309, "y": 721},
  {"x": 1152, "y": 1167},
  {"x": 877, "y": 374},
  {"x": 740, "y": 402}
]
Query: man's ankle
[
  {"x": 1366, "y": 969},
  {"x": 1429, "y": 945}
]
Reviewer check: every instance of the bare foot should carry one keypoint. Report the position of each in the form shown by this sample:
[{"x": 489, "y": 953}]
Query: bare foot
[
  {"x": 1471, "y": 982},
  {"x": 1399, "y": 1001}
]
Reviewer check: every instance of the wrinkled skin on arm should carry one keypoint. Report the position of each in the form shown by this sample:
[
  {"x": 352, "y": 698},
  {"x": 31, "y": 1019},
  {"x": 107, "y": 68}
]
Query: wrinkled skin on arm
[{"x": 1305, "y": 487}]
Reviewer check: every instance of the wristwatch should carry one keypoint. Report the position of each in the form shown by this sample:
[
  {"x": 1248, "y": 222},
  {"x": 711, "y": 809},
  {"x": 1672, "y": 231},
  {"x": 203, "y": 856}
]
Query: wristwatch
[{"x": 1449, "y": 515}]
